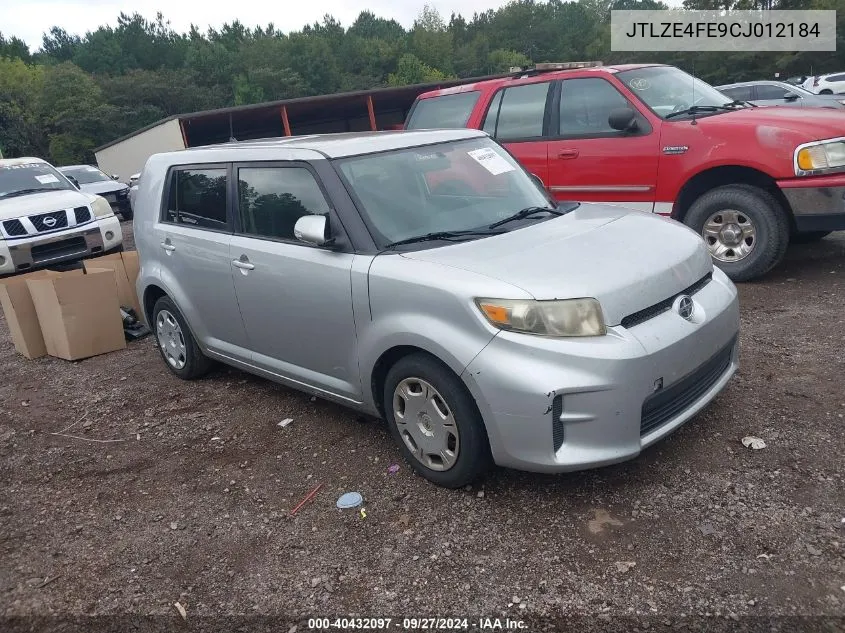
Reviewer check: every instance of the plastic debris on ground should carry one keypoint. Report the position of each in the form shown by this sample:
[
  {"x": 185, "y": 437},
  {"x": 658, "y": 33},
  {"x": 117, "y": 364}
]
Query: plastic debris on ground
[
  {"x": 349, "y": 500},
  {"x": 285, "y": 422},
  {"x": 754, "y": 443},
  {"x": 393, "y": 469},
  {"x": 307, "y": 498}
]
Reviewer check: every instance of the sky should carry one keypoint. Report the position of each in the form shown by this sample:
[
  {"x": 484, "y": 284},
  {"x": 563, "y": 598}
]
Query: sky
[{"x": 28, "y": 19}]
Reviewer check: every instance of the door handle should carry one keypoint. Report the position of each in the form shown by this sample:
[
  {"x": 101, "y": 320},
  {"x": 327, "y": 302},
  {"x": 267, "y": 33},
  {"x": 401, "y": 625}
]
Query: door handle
[
  {"x": 166, "y": 245},
  {"x": 568, "y": 153},
  {"x": 243, "y": 265}
]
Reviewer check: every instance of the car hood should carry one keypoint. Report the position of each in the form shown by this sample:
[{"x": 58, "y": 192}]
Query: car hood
[
  {"x": 628, "y": 260},
  {"x": 798, "y": 124},
  {"x": 106, "y": 186},
  {"x": 43, "y": 202}
]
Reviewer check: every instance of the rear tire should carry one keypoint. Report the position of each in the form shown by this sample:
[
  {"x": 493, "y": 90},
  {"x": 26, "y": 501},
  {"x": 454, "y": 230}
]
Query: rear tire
[
  {"x": 744, "y": 227},
  {"x": 808, "y": 237},
  {"x": 176, "y": 343},
  {"x": 440, "y": 412}
]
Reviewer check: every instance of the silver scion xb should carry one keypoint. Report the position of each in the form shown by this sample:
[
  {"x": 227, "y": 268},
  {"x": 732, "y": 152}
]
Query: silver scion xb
[{"x": 427, "y": 278}]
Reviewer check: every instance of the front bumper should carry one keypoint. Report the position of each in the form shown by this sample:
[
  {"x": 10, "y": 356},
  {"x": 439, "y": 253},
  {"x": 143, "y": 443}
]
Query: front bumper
[
  {"x": 556, "y": 405},
  {"x": 818, "y": 203},
  {"x": 75, "y": 243}
]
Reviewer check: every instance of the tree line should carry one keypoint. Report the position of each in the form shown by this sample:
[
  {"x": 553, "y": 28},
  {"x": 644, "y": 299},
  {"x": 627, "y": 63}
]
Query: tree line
[{"x": 77, "y": 92}]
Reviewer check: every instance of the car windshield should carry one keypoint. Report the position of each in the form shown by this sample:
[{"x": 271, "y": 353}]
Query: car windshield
[
  {"x": 23, "y": 178},
  {"x": 666, "y": 89},
  {"x": 456, "y": 186},
  {"x": 86, "y": 175}
]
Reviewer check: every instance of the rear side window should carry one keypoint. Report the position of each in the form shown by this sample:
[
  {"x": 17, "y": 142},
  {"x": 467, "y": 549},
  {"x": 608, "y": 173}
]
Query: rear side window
[
  {"x": 197, "y": 197},
  {"x": 518, "y": 113},
  {"x": 740, "y": 93},
  {"x": 272, "y": 199},
  {"x": 448, "y": 111}
]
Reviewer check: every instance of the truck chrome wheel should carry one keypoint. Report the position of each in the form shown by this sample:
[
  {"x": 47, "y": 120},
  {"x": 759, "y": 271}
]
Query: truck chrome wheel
[
  {"x": 730, "y": 235},
  {"x": 170, "y": 339},
  {"x": 426, "y": 424}
]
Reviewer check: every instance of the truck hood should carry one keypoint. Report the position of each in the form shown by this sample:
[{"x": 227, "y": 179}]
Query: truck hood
[
  {"x": 106, "y": 186},
  {"x": 798, "y": 125},
  {"x": 628, "y": 260},
  {"x": 43, "y": 202}
]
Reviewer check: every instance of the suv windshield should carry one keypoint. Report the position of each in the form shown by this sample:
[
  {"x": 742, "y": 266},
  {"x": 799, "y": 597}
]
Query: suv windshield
[
  {"x": 457, "y": 186},
  {"x": 24, "y": 178},
  {"x": 86, "y": 175},
  {"x": 667, "y": 90}
]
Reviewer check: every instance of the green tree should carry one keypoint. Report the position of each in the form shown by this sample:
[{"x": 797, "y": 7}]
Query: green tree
[{"x": 411, "y": 70}]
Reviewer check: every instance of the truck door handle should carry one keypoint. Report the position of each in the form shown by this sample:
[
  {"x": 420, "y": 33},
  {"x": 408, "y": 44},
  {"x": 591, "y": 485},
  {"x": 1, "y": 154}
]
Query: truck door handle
[
  {"x": 166, "y": 245},
  {"x": 568, "y": 153},
  {"x": 243, "y": 264}
]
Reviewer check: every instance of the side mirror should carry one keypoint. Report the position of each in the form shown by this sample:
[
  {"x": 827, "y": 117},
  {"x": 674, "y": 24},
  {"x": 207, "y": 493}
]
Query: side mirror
[
  {"x": 623, "y": 120},
  {"x": 791, "y": 97},
  {"x": 312, "y": 229},
  {"x": 73, "y": 180},
  {"x": 115, "y": 177}
]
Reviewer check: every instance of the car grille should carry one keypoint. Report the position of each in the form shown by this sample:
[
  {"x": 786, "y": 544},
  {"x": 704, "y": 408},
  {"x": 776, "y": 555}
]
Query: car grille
[
  {"x": 49, "y": 221},
  {"x": 659, "y": 308},
  {"x": 83, "y": 215},
  {"x": 557, "y": 423},
  {"x": 55, "y": 250},
  {"x": 14, "y": 228},
  {"x": 665, "y": 405}
]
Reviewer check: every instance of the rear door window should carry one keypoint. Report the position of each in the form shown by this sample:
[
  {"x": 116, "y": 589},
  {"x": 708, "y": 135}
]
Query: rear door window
[
  {"x": 448, "y": 111},
  {"x": 767, "y": 92},
  {"x": 518, "y": 113},
  {"x": 197, "y": 197}
]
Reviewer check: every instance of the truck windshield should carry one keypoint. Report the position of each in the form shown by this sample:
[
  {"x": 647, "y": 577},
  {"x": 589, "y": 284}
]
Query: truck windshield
[
  {"x": 85, "y": 175},
  {"x": 666, "y": 89},
  {"x": 455, "y": 186},
  {"x": 19, "y": 179}
]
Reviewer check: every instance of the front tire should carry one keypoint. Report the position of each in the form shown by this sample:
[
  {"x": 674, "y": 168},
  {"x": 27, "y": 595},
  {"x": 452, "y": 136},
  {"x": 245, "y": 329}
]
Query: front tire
[
  {"x": 176, "y": 343},
  {"x": 745, "y": 228},
  {"x": 435, "y": 422}
]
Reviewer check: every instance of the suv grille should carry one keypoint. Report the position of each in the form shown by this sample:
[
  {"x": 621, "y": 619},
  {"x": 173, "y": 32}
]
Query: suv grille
[
  {"x": 83, "y": 215},
  {"x": 663, "y": 406},
  {"x": 49, "y": 221},
  {"x": 659, "y": 308},
  {"x": 14, "y": 228}
]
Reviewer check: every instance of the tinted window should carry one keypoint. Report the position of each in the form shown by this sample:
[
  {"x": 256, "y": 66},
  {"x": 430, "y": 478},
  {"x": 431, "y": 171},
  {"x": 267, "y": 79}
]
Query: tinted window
[
  {"x": 198, "y": 198},
  {"x": 492, "y": 112},
  {"x": 836, "y": 78},
  {"x": 448, "y": 111},
  {"x": 272, "y": 199},
  {"x": 521, "y": 112},
  {"x": 769, "y": 92},
  {"x": 85, "y": 175},
  {"x": 740, "y": 93},
  {"x": 586, "y": 104}
]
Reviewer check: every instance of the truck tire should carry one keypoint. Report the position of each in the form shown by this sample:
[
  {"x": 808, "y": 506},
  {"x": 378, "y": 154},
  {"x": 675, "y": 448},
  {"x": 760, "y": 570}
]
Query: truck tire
[
  {"x": 808, "y": 237},
  {"x": 745, "y": 229}
]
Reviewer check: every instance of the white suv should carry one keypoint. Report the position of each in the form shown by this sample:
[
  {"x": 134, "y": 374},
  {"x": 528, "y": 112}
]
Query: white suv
[
  {"x": 45, "y": 219},
  {"x": 833, "y": 84}
]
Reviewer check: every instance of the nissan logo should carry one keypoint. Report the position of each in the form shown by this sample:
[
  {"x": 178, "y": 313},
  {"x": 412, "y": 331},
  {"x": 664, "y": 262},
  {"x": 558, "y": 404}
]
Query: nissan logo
[
  {"x": 684, "y": 306},
  {"x": 50, "y": 221}
]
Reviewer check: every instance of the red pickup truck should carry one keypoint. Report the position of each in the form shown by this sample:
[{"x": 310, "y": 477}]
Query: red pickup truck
[{"x": 651, "y": 137}]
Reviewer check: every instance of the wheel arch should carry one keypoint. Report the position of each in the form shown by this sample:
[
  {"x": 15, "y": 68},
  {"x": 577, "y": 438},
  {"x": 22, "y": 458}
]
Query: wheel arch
[{"x": 152, "y": 293}]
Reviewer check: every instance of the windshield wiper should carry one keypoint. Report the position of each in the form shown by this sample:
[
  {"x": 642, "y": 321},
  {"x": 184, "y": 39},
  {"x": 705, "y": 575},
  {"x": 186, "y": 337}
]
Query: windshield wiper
[
  {"x": 444, "y": 235},
  {"x": 524, "y": 213},
  {"x": 23, "y": 192},
  {"x": 728, "y": 107}
]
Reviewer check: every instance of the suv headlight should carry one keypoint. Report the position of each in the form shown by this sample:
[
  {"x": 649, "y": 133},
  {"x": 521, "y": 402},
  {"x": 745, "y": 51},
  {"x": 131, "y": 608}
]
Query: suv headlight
[
  {"x": 570, "y": 317},
  {"x": 820, "y": 156},
  {"x": 101, "y": 207}
]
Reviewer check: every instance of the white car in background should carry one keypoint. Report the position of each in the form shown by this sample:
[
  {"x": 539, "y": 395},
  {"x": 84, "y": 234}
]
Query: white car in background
[
  {"x": 831, "y": 84},
  {"x": 45, "y": 219}
]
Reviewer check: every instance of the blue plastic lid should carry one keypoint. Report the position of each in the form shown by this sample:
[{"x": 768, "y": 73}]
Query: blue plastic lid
[{"x": 349, "y": 500}]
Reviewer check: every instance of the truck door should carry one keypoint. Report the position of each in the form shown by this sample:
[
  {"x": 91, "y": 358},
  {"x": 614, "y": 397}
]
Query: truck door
[{"x": 590, "y": 161}]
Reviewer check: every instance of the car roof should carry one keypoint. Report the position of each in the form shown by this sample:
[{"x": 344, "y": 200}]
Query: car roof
[
  {"x": 756, "y": 82},
  {"x": 320, "y": 145},
  {"x": 5, "y": 162}
]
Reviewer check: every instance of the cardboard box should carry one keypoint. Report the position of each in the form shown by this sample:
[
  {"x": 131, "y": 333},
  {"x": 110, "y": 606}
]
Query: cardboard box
[
  {"x": 79, "y": 314},
  {"x": 20, "y": 313},
  {"x": 126, "y": 267}
]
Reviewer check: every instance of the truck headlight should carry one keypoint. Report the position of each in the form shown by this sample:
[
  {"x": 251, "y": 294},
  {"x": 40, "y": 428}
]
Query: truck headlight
[
  {"x": 101, "y": 207},
  {"x": 570, "y": 317},
  {"x": 820, "y": 156}
]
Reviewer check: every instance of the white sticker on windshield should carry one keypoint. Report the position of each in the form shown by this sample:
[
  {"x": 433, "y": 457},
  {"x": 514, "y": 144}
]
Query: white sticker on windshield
[
  {"x": 491, "y": 160},
  {"x": 46, "y": 179}
]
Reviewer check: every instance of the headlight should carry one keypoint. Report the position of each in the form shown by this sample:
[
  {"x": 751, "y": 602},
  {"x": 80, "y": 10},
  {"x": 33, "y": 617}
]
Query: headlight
[
  {"x": 820, "y": 156},
  {"x": 101, "y": 207},
  {"x": 571, "y": 317}
]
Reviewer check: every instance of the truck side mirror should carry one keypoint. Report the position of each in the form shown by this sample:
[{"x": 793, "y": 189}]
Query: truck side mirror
[{"x": 623, "y": 120}]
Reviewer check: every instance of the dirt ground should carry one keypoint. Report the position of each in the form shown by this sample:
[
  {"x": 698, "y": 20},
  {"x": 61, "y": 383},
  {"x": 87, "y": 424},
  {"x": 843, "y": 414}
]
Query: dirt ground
[{"x": 186, "y": 497}]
